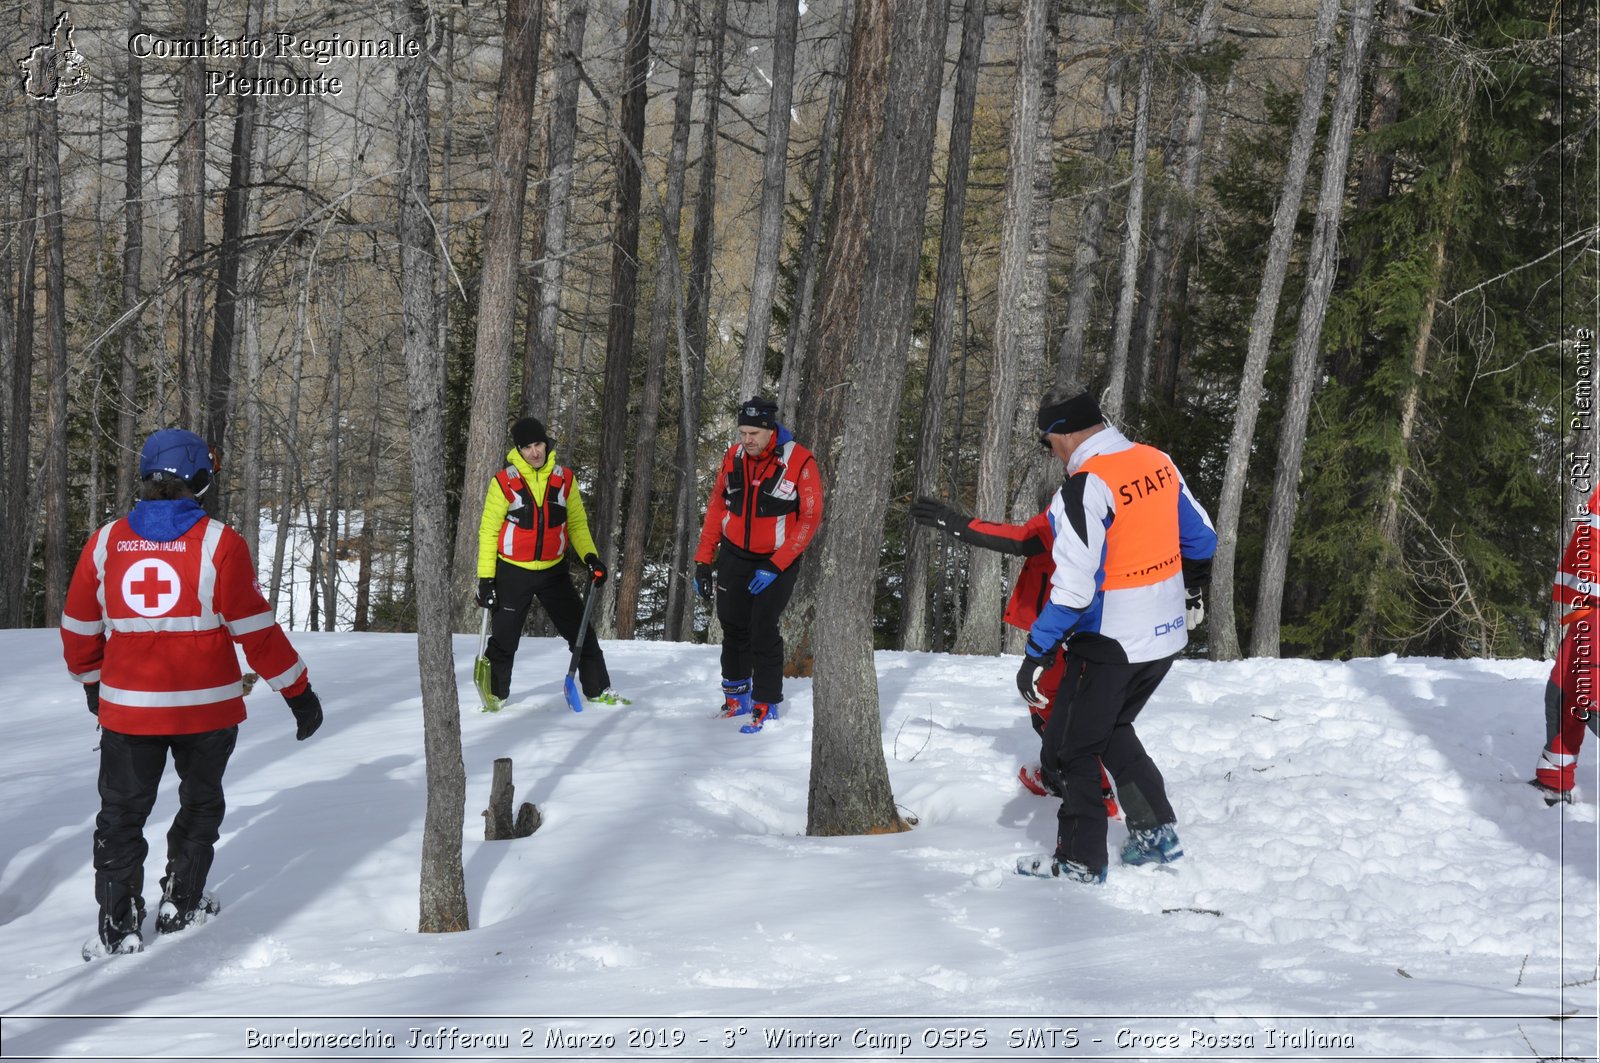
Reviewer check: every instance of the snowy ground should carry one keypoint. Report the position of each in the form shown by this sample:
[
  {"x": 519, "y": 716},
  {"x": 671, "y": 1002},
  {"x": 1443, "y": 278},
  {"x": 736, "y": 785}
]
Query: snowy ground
[{"x": 1365, "y": 867}]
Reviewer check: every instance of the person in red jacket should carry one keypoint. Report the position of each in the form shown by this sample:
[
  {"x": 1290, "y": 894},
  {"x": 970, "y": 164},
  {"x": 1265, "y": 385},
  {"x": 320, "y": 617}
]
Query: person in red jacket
[
  {"x": 1031, "y": 540},
  {"x": 1569, "y": 695},
  {"x": 157, "y": 602},
  {"x": 764, "y": 510}
]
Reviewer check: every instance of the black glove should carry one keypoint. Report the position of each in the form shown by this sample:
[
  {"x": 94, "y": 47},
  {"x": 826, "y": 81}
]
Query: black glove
[
  {"x": 935, "y": 514},
  {"x": 486, "y": 595},
  {"x": 91, "y": 694},
  {"x": 702, "y": 580},
  {"x": 1028, "y": 680},
  {"x": 1194, "y": 607},
  {"x": 307, "y": 709},
  {"x": 597, "y": 571}
]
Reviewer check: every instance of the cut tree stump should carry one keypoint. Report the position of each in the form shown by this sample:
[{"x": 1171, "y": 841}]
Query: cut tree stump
[{"x": 498, "y": 824}]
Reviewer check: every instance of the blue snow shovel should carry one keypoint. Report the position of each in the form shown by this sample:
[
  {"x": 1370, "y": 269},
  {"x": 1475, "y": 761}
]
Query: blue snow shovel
[{"x": 575, "y": 699}]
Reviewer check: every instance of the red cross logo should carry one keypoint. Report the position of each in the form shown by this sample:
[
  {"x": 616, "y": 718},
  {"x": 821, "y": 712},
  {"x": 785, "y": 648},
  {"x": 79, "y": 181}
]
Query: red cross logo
[{"x": 150, "y": 587}]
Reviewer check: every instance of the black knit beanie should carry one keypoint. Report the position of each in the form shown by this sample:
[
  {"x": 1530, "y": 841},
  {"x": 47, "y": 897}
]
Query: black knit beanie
[
  {"x": 758, "y": 412},
  {"x": 528, "y": 430},
  {"x": 1074, "y": 415}
]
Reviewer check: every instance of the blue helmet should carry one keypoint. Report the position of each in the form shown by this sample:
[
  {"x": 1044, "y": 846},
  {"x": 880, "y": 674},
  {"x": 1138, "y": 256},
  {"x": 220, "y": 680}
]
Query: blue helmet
[{"x": 175, "y": 453}]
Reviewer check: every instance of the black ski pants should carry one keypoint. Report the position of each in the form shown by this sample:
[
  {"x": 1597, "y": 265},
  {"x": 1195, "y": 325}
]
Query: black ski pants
[
  {"x": 515, "y": 589},
  {"x": 1091, "y": 723},
  {"x": 130, "y": 774},
  {"x": 752, "y": 644}
]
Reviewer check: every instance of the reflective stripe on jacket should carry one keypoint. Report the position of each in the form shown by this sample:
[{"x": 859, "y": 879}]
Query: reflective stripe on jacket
[{"x": 155, "y": 623}]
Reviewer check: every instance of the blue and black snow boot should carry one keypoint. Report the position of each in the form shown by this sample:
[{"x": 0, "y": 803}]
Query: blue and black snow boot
[
  {"x": 1046, "y": 865},
  {"x": 735, "y": 698},
  {"x": 760, "y": 713},
  {"x": 1158, "y": 845}
]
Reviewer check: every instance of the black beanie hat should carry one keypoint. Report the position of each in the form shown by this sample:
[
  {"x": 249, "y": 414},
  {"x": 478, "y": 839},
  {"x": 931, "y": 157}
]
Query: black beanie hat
[
  {"x": 1074, "y": 415},
  {"x": 758, "y": 412},
  {"x": 528, "y": 430}
]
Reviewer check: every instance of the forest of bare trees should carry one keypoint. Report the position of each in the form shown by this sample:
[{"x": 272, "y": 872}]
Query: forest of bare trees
[{"x": 1335, "y": 258}]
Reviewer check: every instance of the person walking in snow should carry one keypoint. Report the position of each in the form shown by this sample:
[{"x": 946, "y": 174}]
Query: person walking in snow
[
  {"x": 531, "y": 514},
  {"x": 1032, "y": 541},
  {"x": 156, "y": 604},
  {"x": 1124, "y": 523},
  {"x": 1569, "y": 694},
  {"x": 765, "y": 507}
]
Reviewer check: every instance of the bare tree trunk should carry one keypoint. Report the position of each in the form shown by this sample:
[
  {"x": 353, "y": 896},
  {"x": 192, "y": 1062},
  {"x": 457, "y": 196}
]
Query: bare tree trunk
[
  {"x": 929, "y": 462},
  {"x": 443, "y": 897},
  {"x": 1323, "y": 262},
  {"x": 224, "y": 329},
  {"x": 1092, "y": 220},
  {"x": 1389, "y": 533},
  {"x": 132, "y": 267},
  {"x": 17, "y": 558},
  {"x": 798, "y": 340},
  {"x": 1220, "y": 613},
  {"x": 692, "y": 356},
  {"x": 1116, "y": 385},
  {"x": 57, "y": 563},
  {"x": 636, "y": 533},
  {"x": 249, "y": 515},
  {"x": 896, "y": 59},
  {"x": 774, "y": 166},
  {"x": 497, "y": 291},
  {"x": 567, "y": 24},
  {"x": 980, "y": 633},
  {"x": 291, "y": 439},
  {"x": 191, "y": 156}
]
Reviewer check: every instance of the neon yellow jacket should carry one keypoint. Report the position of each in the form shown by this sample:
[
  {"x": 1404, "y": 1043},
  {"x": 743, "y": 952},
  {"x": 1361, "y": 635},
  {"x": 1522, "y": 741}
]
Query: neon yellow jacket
[{"x": 496, "y": 532}]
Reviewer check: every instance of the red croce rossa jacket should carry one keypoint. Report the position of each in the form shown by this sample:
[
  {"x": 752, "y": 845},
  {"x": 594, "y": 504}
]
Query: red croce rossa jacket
[{"x": 156, "y": 604}]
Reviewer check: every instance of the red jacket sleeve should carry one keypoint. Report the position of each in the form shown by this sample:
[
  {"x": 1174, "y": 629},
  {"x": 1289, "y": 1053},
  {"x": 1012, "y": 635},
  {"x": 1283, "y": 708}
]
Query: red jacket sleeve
[
  {"x": 716, "y": 510},
  {"x": 807, "y": 520},
  {"x": 251, "y": 622},
  {"x": 83, "y": 626}
]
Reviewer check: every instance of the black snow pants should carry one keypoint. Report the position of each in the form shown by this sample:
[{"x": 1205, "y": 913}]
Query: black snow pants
[
  {"x": 1091, "y": 723},
  {"x": 515, "y": 589},
  {"x": 130, "y": 774},
  {"x": 752, "y": 644}
]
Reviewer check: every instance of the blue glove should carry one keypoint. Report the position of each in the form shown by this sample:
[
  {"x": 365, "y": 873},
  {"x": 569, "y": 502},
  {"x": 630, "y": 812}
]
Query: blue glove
[{"x": 762, "y": 580}]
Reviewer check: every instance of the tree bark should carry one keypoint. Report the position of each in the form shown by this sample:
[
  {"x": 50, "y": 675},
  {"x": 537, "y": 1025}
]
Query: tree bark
[
  {"x": 1121, "y": 338},
  {"x": 664, "y": 312},
  {"x": 886, "y": 156},
  {"x": 929, "y": 461},
  {"x": 769, "y": 226},
  {"x": 442, "y": 895},
  {"x": 692, "y": 356},
  {"x": 1305, "y": 366},
  {"x": 611, "y": 473},
  {"x": 981, "y": 631},
  {"x": 57, "y": 562},
  {"x": 1220, "y": 613},
  {"x": 132, "y": 267},
  {"x": 498, "y": 281},
  {"x": 567, "y": 21},
  {"x": 191, "y": 156}
]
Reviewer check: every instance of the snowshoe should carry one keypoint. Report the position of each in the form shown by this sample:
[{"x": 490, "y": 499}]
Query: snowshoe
[
  {"x": 760, "y": 713},
  {"x": 1554, "y": 795},
  {"x": 609, "y": 696},
  {"x": 95, "y": 949},
  {"x": 1032, "y": 777},
  {"x": 1158, "y": 845},
  {"x": 1046, "y": 865},
  {"x": 171, "y": 917}
]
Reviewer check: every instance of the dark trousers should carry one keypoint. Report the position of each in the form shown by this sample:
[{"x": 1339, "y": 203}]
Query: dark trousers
[
  {"x": 130, "y": 774},
  {"x": 515, "y": 589},
  {"x": 1091, "y": 723},
  {"x": 752, "y": 645}
]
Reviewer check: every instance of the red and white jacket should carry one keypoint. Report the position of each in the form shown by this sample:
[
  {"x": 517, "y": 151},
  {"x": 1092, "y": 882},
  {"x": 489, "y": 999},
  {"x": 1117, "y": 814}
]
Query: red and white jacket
[
  {"x": 768, "y": 506},
  {"x": 1577, "y": 586},
  {"x": 154, "y": 623}
]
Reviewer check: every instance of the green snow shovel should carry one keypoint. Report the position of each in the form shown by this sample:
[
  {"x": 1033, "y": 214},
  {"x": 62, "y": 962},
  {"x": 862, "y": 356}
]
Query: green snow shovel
[
  {"x": 574, "y": 699},
  {"x": 480, "y": 669}
]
